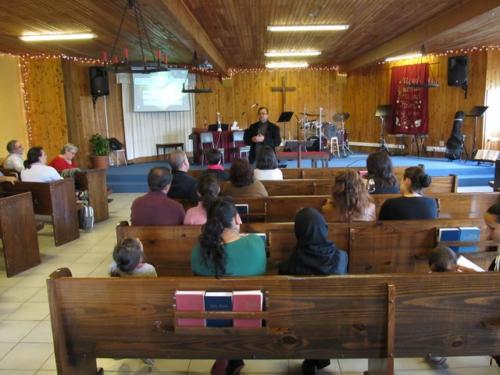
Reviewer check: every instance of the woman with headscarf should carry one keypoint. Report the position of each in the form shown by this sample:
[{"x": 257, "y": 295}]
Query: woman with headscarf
[{"x": 314, "y": 254}]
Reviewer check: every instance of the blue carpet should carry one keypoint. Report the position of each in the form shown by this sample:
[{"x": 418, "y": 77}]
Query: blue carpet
[{"x": 132, "y": 178}]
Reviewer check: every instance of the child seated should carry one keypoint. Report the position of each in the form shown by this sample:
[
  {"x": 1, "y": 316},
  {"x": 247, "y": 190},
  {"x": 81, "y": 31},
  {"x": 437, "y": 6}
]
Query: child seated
[{"x": 128, "y": 260}]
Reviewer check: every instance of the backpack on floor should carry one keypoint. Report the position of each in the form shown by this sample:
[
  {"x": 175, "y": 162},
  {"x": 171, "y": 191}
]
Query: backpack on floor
[{"x": 86, "y": 218}]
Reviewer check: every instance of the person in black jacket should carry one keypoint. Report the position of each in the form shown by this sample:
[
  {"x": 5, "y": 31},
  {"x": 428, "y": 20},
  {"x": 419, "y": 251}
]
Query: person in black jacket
[
  {"x": 183, "y": 185},
  {"x": 314, "y": 254},
  {"x": 412, "y": 205},
  {"x": 261, "y": 133},
  {"x": 381, "y": 179}
]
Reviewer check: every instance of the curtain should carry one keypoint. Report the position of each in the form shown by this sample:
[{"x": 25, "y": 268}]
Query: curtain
[{"x": 409, "y": 101}]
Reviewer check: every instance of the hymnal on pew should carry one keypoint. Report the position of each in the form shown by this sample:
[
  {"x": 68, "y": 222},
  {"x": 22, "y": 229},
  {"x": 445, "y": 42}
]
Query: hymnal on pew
[
  {"x": 193, "y": 300},
  {"x": 247, "y": 301},
  {"x": 462, "y": 234},
  {"x": 219, "y": 301}
]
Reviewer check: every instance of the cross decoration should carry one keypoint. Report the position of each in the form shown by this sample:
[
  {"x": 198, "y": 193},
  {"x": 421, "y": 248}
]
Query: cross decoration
[{"x": 283, "y": 89}]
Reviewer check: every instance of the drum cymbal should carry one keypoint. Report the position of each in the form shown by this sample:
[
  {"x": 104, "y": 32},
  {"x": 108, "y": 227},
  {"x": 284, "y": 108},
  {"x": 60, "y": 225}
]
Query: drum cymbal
[{"x": 308, "y": 114}]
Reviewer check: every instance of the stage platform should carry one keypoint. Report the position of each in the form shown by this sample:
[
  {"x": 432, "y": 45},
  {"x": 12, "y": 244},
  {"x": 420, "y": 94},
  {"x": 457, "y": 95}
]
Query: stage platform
[{"x": 132, "y": 178}]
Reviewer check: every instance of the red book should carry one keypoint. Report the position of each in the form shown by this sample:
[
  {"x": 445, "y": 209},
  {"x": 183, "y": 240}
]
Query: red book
[
  {"x": 190, "y": 300},
  {"x": 247, "y": 301}
]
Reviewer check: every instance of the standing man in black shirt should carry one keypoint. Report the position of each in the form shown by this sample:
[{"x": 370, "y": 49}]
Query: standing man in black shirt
[{"x": 262, "y": 133}]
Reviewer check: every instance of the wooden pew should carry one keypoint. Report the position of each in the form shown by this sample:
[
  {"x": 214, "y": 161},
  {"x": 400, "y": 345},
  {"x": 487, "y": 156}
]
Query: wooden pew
[
  {"x": 451, "y": 205},
  {"x": 94, "y": 181},
  {"x": 398, "y": 246},
  {"x": 364, "y": 316},
  {"x": 18, "y": 233},
  {"x": 56, "y": 199},
  {"x": 313, "y": 173},
  {"x": 444, "y": 184},
  {"x": 404, "y": 246}
]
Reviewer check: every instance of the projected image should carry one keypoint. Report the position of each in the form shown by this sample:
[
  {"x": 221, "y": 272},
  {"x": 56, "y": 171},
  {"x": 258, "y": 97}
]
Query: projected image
[{"x": 160, "y": 92}]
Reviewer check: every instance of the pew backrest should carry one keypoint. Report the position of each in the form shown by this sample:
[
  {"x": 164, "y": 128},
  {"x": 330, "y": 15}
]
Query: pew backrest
[{"x": 364, "y": 316}]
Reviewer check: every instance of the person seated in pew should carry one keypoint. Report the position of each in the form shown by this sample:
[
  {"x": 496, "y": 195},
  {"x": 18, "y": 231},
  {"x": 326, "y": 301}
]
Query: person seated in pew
[
  {"x": 350, "y": 200},
  {"x": 10, "y": 179},
  {"x": 223, "y": 251},
  {"x": 208, "y": 190},
  {"x": 36, "y": 168},
  {"x": 214, "y": 159},
  {"x": 242, "y": 182},
  {"x": 492, "y": 220},
  {"x": 314, "y": 254},
  {"x": 156, "y": 208},
  {"x": 183, "y": 185},
  {"x": 266, "y": 167},
  {"x": 65, "y": 160},
  {"x": 412, "y": 205},
  {"x": 128, "y": 260},
  {"x": 381, "y": 179},
  {"x": 15, "y": 158}
]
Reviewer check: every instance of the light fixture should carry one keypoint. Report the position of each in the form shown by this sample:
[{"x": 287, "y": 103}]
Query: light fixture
[
  {"x": 292, "y": 53},
  {"x": 403, "y": 57},
  {"x": 286, "y": 28},
  {"x": 196, "y": 65},
  {"x": 158, "y": 61},
  {"x": 287, "y": 64},
  {"x": 55, "y": 37}
]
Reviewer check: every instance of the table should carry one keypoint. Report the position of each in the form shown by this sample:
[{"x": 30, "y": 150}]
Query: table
[{"x": 165, "y": 146}]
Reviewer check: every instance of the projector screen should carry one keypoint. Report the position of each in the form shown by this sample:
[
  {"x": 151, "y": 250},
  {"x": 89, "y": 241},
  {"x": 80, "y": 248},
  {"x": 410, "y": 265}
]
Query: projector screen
[{"x": 160, "y": 92}]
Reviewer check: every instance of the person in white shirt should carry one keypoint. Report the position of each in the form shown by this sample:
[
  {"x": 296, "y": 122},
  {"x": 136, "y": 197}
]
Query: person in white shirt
[
  {"x": 266, "y": 167},
  {"x": 15, "y": 158},
  {"x": 36, "y": 168}
]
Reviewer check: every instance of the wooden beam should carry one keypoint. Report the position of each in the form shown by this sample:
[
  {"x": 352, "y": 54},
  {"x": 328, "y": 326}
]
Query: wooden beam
[
  {"x": 184, "y": 25},
  {"x": 413, "y": 38}
]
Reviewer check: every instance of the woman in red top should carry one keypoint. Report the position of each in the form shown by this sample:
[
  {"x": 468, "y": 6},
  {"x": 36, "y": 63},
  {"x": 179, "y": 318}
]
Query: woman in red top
[{"x": 65, "y": 159}]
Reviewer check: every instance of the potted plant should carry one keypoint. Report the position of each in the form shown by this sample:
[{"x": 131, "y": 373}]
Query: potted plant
[{"x": 100, "y": 151}]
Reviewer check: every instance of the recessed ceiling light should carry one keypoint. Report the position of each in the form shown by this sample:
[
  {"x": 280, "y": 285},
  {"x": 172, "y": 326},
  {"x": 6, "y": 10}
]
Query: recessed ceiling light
[
  {"x": 292, "y": 53},
  {"x": 402, "y": 57},
  {"x": 55, "y": 37},
  {"x": 287, "y": 64},
  {"x": 308, "y": 28}
]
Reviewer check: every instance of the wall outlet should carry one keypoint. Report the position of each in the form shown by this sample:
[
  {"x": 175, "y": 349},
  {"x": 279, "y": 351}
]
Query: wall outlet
[{"x": 441, "y": 143}]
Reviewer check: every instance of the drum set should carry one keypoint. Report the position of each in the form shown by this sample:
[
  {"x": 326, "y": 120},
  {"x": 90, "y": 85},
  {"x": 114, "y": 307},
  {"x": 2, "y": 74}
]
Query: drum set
[{"x": 320, "y": 133}]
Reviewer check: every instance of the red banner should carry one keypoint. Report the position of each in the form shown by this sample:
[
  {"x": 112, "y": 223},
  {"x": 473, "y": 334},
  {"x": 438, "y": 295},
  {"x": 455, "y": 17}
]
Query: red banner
[{"x": 409, "y": 99}]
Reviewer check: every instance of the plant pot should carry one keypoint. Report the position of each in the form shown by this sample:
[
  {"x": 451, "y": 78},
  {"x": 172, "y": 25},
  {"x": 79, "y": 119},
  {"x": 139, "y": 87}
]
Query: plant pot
[{"x": 100, "y": 162}]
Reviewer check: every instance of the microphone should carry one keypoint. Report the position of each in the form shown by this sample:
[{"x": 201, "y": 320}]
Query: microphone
[{"x": 219, "y": 128}]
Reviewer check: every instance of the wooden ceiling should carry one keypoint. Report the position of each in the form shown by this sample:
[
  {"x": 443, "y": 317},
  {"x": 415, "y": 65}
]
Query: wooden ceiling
[
  {"x": 238, "y": 27},
  {"x": 101, "y": 17},
  {"x": 234, "y": 31}
]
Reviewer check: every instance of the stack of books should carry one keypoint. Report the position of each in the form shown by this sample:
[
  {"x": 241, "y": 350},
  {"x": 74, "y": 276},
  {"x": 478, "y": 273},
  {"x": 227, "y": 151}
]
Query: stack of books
[{"x": 237, "y": 301}]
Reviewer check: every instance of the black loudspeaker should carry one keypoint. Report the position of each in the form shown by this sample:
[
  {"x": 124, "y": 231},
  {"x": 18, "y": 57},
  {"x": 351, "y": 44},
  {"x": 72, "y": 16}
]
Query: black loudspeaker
[
  {"x": 457, "y": 71},
  {"x": 99, "y": 85}
]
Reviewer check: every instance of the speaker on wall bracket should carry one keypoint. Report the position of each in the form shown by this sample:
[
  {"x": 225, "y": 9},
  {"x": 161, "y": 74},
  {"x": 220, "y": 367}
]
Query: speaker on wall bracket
[
  {"x": 457, "y": 72},
  {"x": 99, "y": 85}
]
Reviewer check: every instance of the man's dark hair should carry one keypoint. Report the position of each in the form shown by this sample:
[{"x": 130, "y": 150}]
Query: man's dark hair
[
  {"x": 266, "y": 158},
  {"x": 11, "y": 146},
  {"x": 495, "y": 211},
  {"x": 214, "y": 156},
  {"x": 159, "y": 178},
  {"x": 261, "y": 108},
  {"x": 442, "y": 259},
  {"x": 241, "y": 173}
]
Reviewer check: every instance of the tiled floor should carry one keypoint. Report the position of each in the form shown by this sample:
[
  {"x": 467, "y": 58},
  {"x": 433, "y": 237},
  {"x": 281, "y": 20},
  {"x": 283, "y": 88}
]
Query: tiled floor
[{"x": 26, "y": 339}]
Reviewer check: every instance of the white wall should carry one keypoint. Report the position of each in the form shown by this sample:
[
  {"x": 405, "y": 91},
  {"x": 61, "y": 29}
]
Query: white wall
[{"x": 143, "y": 130}]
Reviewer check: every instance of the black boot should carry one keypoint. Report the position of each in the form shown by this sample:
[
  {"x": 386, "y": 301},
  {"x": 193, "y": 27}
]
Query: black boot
[{"x": 234, "y": 366}]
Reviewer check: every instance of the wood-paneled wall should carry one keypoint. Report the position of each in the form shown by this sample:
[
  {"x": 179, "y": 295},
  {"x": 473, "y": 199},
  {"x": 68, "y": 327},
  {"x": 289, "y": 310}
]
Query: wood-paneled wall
[
  {"x": 493, "y": 114},
  {"x": 370, "y": 87},
  {"x": 234, "y": 97},
  {"x": 83, "y": 117},
  {"x": 47, "y": 115}
]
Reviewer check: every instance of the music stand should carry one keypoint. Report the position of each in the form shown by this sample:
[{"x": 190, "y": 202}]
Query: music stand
[
  {"x": 284, "y": 118},
  {"x": 382, "y": 112},
  {"x": 477, "y": 112}
]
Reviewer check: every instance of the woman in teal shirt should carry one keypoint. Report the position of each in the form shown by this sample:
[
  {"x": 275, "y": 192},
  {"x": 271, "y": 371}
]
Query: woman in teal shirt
[{"x": 222, "y": 250}]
